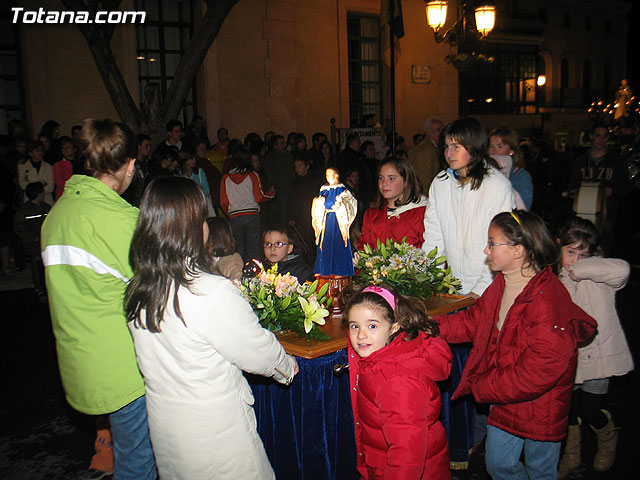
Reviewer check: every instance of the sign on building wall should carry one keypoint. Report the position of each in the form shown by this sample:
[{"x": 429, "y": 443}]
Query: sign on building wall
[
  {"x": 366, "y": 134},
  {"x": 421, "y": 74}
]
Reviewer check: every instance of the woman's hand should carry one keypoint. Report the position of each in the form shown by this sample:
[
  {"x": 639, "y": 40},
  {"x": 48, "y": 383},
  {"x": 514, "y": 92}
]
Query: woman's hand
[{"x": 297, "y": 368}]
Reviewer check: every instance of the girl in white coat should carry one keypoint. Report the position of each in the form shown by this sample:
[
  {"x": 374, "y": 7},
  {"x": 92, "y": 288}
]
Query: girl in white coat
[
  {"x": 462, "y": 201},
  {"x": 194, "y": 335},
  {"x": 592, "y": 282}
]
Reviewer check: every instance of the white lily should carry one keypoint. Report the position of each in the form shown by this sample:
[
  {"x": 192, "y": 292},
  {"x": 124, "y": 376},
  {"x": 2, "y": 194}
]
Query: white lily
[{"x": 313, "y": 313}]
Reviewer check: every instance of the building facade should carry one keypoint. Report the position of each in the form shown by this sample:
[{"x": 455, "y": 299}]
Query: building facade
[{"x": 287, "y": 65}]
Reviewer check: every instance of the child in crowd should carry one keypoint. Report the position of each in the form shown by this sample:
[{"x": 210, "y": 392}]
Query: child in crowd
[
  {"x": 278, "y": 249},
  {"x": 190, "y": 170},
  {"x": 395, "y": 360},
  {"x": 240, "y": 195},
  {"x": 222, "y": 246},
  {"x": 504, "y": 147},
  {"x": 26, "y": 224},
  {"x": 304, "y": 187},
  {"x": 592, "y": 282},
  {"x": 63, "y": 169},
  {"x": 399, "y": 208},
  {"x": 524, "y": 330},
  {"x": 36, "y": 170}
]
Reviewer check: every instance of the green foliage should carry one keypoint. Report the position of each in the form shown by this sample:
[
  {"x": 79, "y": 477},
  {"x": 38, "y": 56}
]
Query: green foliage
[
  {"x": 407, "y": 268},
  {"x": 281, "y": 303}
]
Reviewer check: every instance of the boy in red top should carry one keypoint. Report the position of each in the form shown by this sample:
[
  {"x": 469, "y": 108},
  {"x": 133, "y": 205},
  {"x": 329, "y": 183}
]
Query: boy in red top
[{"x": 63, "y": 169}]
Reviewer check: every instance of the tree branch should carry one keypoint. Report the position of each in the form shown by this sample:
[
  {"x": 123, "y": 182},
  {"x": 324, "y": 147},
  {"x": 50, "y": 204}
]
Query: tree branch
[
  {"x": 99, "y": 41},
  {"x": 189, "y": 64}
]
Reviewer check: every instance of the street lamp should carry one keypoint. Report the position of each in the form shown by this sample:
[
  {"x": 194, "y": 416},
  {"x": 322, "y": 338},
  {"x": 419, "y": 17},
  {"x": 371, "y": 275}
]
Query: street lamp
[
  {"x": 436, "y": 14},
  {"x": 436, "y": 10}
]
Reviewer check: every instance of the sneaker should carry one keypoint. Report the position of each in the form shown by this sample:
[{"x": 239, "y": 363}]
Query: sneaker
[{"x": 93, "y": 474}]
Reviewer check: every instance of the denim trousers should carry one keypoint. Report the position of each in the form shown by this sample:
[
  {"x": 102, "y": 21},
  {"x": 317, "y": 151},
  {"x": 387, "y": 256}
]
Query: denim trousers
[
  {"x": 133, "y": 456},
  {"x": 246, "y": 231},
  {"x": 503, "y": 457}
]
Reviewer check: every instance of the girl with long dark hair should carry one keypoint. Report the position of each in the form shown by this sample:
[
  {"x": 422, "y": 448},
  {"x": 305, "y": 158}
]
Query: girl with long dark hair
[
  {"x": 525, "y": 330},
  {"x": 399, "y": 207},
  {"x": 194, "y": 334},
  {"x": 462, "y": 201}
]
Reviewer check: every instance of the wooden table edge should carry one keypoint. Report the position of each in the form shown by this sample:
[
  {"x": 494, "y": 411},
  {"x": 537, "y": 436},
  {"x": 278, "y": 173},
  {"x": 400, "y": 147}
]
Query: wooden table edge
[{"x": 310, "y": 349}]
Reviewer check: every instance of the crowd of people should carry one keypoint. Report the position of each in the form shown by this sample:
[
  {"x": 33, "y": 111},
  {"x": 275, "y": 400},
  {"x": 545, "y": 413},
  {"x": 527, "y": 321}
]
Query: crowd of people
[{"x": 165, "y": 233}]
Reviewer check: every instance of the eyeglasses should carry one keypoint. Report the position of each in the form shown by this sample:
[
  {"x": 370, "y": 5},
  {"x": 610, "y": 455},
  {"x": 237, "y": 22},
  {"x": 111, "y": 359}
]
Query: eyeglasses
[
  {"x": 275, "y": 244},
  {"x": 490, "y": 245}
]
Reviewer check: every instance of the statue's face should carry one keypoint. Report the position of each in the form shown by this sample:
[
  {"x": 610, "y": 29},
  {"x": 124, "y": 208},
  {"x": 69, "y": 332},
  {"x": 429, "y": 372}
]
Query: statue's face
[{"x": 332, "y": 176}]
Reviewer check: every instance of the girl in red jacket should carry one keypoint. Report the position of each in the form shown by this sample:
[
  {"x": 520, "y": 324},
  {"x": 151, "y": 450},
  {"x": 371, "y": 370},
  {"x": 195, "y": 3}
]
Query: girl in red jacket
[
  {"x": 395, "y": 360},
  {"x": 525, "y": 330},
  {"x": 399, "y": 208}
]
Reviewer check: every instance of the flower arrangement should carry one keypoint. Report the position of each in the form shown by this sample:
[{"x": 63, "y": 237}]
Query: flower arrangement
[
  {"x": 407, "y": 268},
  {"x": 281, "y": 303}
]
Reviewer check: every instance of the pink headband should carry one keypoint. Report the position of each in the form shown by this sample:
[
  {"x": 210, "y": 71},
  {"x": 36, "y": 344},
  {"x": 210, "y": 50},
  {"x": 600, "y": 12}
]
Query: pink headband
[{"x": 384, "y": 293}]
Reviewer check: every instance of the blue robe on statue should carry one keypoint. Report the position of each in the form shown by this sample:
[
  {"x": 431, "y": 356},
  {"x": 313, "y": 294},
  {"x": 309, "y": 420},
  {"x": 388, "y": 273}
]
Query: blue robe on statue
[{"x": 334, "y": 257}]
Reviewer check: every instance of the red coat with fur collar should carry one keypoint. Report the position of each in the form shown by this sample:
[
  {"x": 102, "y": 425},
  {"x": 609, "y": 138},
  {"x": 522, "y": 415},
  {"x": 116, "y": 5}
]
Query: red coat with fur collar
[
  {"x": 526, "y": 370},
  {"x": 396, "y": 405},
  {"x": 405, "y": 221}
]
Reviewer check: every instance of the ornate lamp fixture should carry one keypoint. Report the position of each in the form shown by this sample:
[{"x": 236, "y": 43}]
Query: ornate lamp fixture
[{"x": 485, "y": 19}]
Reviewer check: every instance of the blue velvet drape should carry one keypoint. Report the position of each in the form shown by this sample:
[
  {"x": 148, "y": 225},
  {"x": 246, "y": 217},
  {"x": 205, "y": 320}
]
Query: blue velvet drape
[
  {"x": 307, "y": 428},
  {"x": 457, "y": 416}
]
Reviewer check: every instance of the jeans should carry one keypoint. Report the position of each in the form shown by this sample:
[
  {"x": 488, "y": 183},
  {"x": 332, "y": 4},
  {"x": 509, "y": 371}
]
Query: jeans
[
  {"x": 503, "y": 457},
  {"x": 246, "y": 231},
  {"x": 133, "y": 456}
]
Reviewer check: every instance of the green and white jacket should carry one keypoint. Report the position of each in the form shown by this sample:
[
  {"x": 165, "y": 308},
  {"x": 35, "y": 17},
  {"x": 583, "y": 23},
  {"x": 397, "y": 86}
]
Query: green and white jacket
[{"x": 85, "y": 250}]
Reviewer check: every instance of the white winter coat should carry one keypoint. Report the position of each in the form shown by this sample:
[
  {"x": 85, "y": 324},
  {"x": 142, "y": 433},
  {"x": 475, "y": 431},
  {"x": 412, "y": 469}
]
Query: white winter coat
[
  {"x": 608, "y": 354},
  {"x": 27, "y": 174},
  {"x": 199, "y": 405},
  {"x": 457, "y": 222}
]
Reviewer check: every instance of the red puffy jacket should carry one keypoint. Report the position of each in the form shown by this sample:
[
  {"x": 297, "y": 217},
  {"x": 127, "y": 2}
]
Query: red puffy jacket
[
  {"x": 526, "y": 370},
  {"x": 405, "y": 221},
  {"x": 396, "y": 405}
]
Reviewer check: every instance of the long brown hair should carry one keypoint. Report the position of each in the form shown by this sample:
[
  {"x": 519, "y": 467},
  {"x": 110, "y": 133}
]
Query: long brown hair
[
  {"x": 581, "y": 232},
  {"x": 410, "y": 313},
  {"x": 412, "y": 188},
  {"x": 529, "y": 230},
  {"x": 470, "y": 133},
  {"x": 511, "y": 138},
  {"x": 167, "y": 248}
]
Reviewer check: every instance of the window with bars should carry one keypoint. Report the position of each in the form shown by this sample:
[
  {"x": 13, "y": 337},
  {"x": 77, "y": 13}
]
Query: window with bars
[
  {"x": 365, "y": 85},
  {"x": 11, "y": 81},
  {"x": 508, "y": 85},
  {"x": 161, "y": 42}
]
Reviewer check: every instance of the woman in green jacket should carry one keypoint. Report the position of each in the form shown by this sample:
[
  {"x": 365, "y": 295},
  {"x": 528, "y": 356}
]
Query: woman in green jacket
[{"x": 85, "y": 250}]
